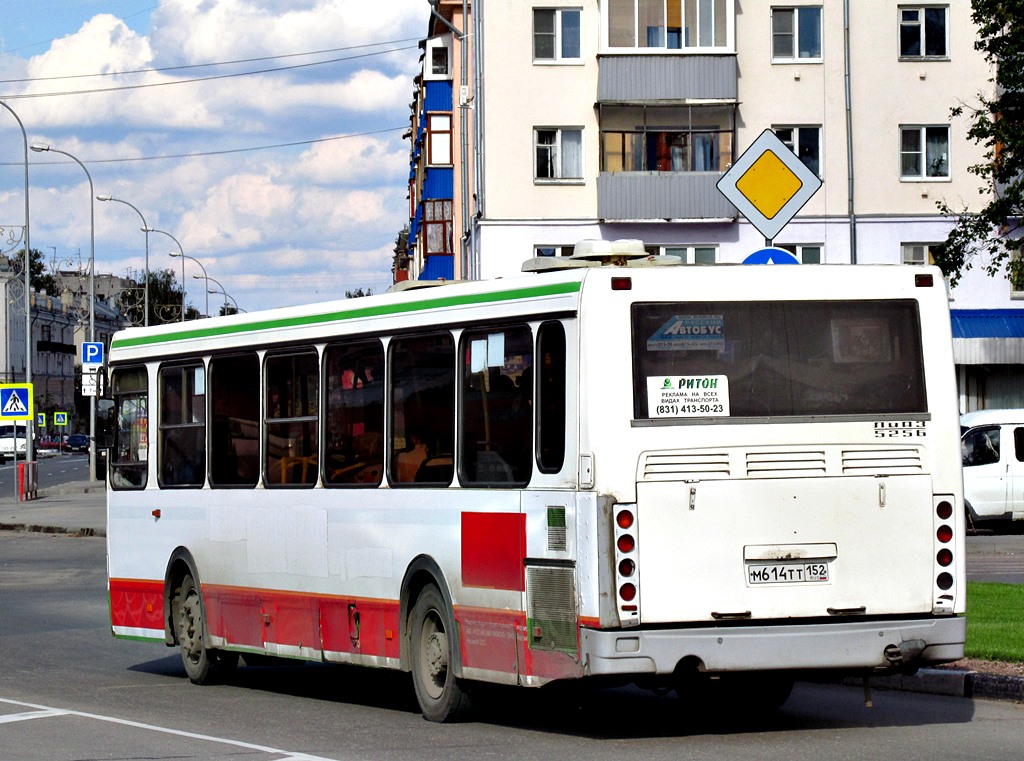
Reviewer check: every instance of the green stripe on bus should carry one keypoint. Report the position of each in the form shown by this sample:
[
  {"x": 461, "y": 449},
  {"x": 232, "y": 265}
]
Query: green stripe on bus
[{"x": 382, "y": 310}]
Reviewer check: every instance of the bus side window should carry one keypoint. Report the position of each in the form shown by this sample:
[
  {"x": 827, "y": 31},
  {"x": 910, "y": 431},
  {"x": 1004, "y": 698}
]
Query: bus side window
[
  {"x": 496, "y": 411},
  {"x": 354, "y": 419},
  {"x": 234, "y": 420},
  {"x": 129, "y": 456},
  {"x": 291, "y": 442},
  {"x": 550, "y": 381},
  {"x": 182, "y": 418},
  {"x": 422, "y": 388}
]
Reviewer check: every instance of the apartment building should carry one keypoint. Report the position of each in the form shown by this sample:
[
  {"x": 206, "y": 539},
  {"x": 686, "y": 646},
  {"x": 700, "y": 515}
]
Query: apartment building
[{"x": 616, "y": 119}]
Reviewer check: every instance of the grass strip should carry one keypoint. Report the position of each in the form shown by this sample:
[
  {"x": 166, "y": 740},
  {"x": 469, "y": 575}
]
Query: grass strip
[{"x": 995, "y": 621}]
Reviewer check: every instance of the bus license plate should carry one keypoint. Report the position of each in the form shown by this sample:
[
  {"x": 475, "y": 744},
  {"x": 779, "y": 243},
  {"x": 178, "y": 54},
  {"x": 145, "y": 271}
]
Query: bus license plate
[{"x": 788, "y": 573}]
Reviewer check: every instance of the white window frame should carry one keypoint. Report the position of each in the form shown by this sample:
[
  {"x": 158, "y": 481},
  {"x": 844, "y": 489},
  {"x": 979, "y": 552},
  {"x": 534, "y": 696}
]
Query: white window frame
[
  {"x": 690, "y": 253},
  {"x": 728, "y": 46},
  {"x": 559, "y": 163},
  {"x": 440, "y": 140},
  {"x": 922, "y": 153},
  {"x": 793, "y": 142},
  {"x": 920, "y": 23},
  {"x": 794, "y": 53},
  {"x": 800, "y": 251},
  {"x": 917, "y": 253},
  {"x": 559, "y": 31}
]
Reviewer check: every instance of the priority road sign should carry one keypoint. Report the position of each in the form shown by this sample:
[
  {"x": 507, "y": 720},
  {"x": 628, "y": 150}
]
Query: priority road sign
[
  {"x": 16, "y": 401},
  {"x": 769, "y": 184},
  {"x": 92, "y": 353}
]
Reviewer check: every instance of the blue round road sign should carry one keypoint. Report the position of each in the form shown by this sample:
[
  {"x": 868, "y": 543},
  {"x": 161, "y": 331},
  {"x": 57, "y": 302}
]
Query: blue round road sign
[{"x": 771, "y": 256}]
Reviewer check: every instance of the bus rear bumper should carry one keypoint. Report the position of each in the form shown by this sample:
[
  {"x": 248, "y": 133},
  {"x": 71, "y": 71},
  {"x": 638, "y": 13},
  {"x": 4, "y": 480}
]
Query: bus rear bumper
[{"x": 849, "y": 645}]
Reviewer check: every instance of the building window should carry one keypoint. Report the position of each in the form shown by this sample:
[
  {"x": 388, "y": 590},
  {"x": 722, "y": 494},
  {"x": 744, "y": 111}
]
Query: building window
[
  {"x": 437, "y": 227},
  {"x": 806, "y": 253},
  {"x": 439, "y": 139},
  {"x": 687, "y": 139},
  {"x": 553, "y": 250},
  {"x": 918, "y": 253},
  {"x": 805, "y": 142},
  {"x": 556, "y": 34},
  {"x": 670, "y": 24},
  {"x": 689, "y": 254},
  {"x": 439, "y": 61},
  {"x": 924, "y": 153},
  {"x": 45, "y": 332},
  {"x": 558, "y": 154},
  {"x": 923, "y": 32},
  {"x": 796, "y": 33}
]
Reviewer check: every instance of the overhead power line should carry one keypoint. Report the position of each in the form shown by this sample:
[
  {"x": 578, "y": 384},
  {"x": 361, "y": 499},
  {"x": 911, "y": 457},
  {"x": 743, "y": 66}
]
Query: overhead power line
[
  {"x": 225, "y": 151},
  {"x": 204, "y": 79},
  {"x": 161, "y": 69}
]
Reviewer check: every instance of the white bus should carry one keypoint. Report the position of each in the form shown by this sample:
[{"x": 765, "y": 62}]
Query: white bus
[{"x": 674, "y": 475}]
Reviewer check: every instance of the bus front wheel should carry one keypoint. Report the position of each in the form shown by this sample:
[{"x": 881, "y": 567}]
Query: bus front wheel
[
  {"x": 203, "y": 665},
  {"x": 440, "y": 695}
]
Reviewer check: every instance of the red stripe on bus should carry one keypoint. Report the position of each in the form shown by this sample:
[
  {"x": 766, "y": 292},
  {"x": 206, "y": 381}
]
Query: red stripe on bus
[
  {"x": 137, "y": 603},
  {"x": 493, "y": 547}
]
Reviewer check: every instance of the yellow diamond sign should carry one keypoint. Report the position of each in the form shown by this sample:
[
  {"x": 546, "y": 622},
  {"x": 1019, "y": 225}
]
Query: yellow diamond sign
[{"x": 768, "y": 184}]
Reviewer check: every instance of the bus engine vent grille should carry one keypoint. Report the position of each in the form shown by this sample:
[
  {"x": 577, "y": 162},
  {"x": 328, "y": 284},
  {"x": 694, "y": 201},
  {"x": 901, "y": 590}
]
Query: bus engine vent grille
[
  {"x": 681, "y": 466},
  {"x": 551, "y": 608},
  {"x": 556, "y": 529},
  {"x": 783, "y": 463},
  {"x": 881, "y": 461}
]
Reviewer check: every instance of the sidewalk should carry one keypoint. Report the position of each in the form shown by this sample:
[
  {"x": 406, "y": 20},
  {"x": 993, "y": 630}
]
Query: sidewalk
[{"x": 80, "y": 508}]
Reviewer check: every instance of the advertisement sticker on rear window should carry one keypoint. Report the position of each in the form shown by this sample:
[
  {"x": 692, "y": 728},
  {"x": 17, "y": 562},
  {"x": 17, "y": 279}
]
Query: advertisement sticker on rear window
[
  {"x": 690, "y": 332},
  {"x": 688, "y": 396}
]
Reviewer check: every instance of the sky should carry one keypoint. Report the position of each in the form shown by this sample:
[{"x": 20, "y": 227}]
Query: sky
[{"x": 265, "y": 136}]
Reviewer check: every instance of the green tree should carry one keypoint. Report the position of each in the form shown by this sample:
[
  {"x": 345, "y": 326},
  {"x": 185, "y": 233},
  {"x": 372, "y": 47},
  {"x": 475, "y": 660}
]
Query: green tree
[
  {"x": 164, "y": 300},
  {"x": 997, "y": 123},
  {"x": 41, "y": 278}
]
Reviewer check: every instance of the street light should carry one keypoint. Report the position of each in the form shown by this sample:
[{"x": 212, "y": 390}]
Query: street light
[
  {"x": 145, "y": 229},
  {"x": 224, "y": 293},
  {"x": 28, "y": 298},
  {"x": 204, "y": 276},
  {"x": 164, "y": 232},
  {"x": 92, "y": 298}
]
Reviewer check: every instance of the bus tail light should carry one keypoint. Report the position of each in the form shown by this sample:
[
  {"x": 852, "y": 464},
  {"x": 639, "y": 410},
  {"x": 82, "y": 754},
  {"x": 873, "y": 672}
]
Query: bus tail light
[
  {"x": 627, "y": 580},
  {"x": 944, "y": 554}
]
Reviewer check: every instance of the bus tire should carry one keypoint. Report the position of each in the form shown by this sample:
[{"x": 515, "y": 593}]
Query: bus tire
[
  {"x": 203, "y": 665},
  {"x": 432, "y": 649}
]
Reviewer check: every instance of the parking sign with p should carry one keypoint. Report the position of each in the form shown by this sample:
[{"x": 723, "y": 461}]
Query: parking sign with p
[{"x": 92, "y": 353}]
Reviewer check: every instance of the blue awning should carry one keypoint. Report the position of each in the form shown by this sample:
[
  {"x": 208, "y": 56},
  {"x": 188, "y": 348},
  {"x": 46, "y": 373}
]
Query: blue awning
[{"x": 987, "y": 323}]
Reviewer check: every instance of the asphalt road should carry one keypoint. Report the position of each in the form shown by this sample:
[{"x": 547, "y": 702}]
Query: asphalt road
[
  {"x": 68, "y": 690},
  {"x": 54, "y": 470}
]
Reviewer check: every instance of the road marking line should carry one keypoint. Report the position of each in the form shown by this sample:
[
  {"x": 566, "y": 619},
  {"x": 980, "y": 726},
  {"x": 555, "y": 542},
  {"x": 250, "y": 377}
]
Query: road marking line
[
  {"x": 31, "y": 715},
  {"x": 46, "y": 711}
]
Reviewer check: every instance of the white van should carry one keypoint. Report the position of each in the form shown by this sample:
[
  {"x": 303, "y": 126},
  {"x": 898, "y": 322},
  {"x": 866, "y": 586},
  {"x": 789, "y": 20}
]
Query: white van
[
  {"x": 992, "y": 444},
  {"x": 12, "y": 437}
]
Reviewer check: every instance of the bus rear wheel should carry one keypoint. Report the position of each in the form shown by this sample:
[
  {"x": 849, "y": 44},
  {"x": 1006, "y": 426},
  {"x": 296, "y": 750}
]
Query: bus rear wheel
[
  {"x": 203, "y": 665},
  {"x": 440, "y": 695}
]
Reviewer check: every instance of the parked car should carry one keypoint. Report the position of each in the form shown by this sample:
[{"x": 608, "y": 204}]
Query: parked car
[
  {"x": 77, "y": 442},
  {"x": 992, "y": 445}
]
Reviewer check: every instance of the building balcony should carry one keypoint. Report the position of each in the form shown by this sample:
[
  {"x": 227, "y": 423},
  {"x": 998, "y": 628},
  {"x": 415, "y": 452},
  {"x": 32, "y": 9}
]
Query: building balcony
[
  {"x": 662, "y": 196},
  {"x": 667, "y": 78}
]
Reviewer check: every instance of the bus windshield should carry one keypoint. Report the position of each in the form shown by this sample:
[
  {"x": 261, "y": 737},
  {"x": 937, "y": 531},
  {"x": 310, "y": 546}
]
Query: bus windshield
[{"x": 777, "y": 358}]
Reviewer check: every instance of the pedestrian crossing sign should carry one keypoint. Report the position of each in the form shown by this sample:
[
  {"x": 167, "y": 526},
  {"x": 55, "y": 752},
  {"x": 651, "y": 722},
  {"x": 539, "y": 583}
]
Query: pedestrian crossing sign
[
  {"x": 16, "y": 401},
  {"x": 60, "y": 419}
]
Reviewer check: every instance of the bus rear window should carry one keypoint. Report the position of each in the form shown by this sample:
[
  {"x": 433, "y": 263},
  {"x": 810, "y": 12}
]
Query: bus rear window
[{"x": 776, "y": 358}]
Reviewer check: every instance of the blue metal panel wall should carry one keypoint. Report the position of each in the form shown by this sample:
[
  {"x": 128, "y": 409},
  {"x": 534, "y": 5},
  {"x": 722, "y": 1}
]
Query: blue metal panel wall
[
  {"x": 439, "y": 183},
  {"x": 438, "y": 96}
]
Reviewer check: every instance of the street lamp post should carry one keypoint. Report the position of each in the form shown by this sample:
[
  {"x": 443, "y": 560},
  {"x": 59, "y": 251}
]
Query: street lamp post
[
  {"x": 92, "y": 295},
  {"x": 224, "y": 293},
  {"x": 204, "y": 277},
  {"x": 182, "y": 254},
  {"x": 146, "y": 230},
  {"x": 28, "y": 299}
]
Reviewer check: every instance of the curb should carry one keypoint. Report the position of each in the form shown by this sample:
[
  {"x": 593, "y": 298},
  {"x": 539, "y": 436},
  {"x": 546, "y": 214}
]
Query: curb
[
  {"x": 34, "y": 528},
  {"x": 952, "y": 683}
]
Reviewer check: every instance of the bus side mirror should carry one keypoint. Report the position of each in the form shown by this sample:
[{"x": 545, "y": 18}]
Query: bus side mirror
[{"x": 104, "y": 423}]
